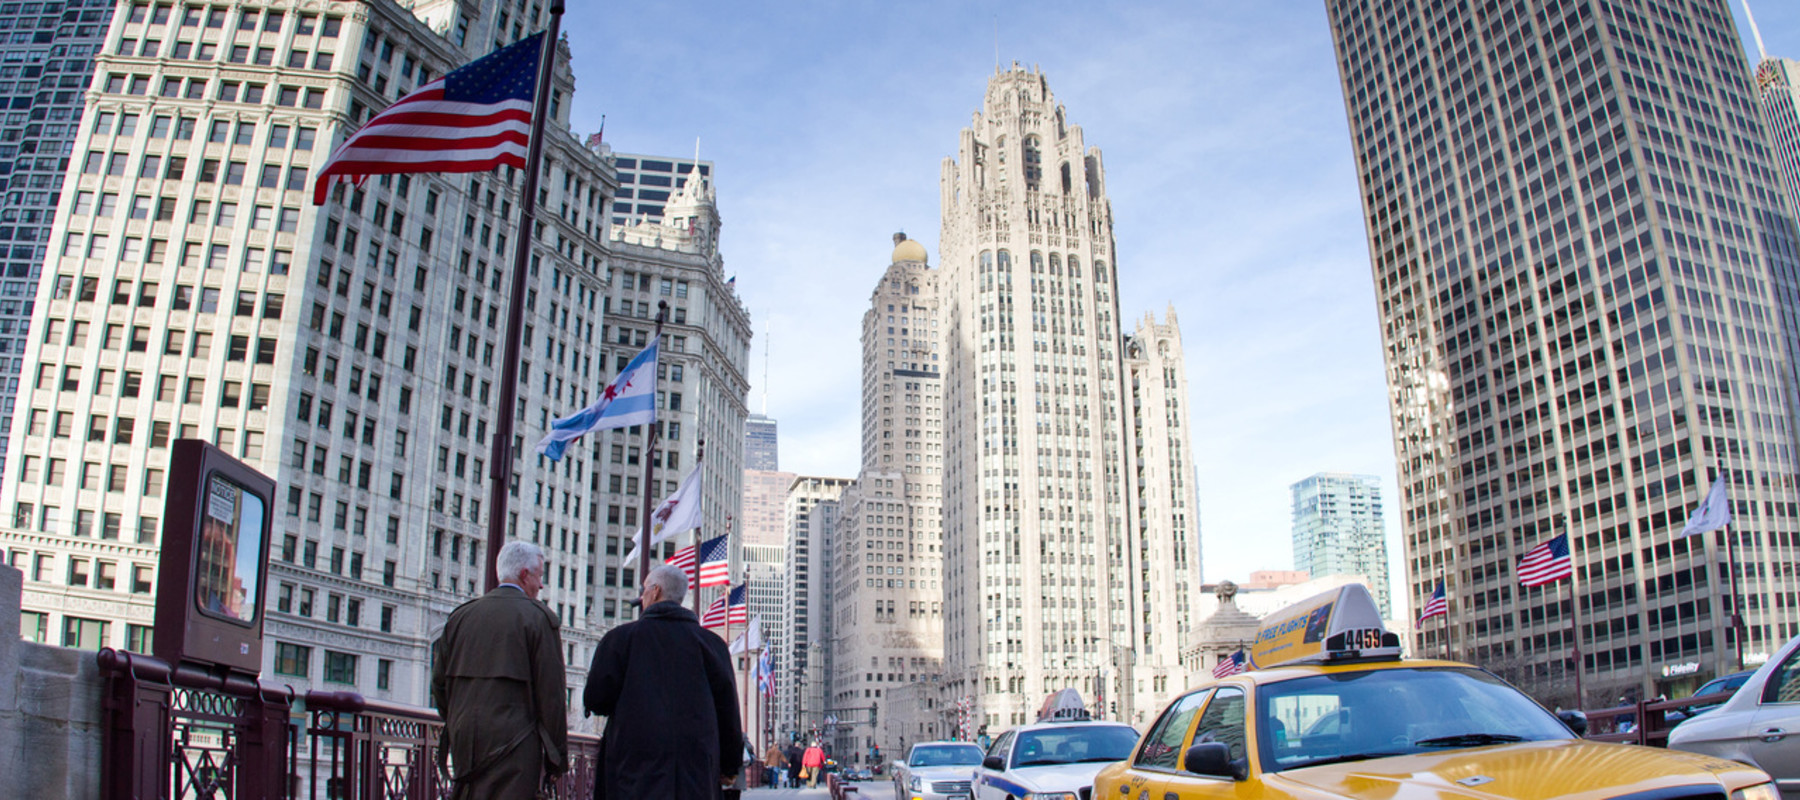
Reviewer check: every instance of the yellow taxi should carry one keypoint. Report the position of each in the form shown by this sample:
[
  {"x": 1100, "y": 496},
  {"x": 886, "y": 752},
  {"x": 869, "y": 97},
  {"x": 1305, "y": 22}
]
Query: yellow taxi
[{"x": 1326, "y": 708}]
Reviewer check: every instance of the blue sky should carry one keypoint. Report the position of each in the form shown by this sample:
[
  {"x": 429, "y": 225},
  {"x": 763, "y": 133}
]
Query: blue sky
[{"x": 1228, "y": 164}]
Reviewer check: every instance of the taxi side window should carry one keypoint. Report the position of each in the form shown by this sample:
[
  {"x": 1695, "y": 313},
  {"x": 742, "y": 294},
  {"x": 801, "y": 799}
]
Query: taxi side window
[
  {"x": 1223, "y": 721},
  {"x": 1162, "y": 746},
  {"x": 1001, "y": 745}
]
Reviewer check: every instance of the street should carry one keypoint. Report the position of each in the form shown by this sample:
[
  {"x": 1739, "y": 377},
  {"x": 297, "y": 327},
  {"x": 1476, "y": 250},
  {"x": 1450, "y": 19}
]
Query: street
[{"x": 880, "y": 789}]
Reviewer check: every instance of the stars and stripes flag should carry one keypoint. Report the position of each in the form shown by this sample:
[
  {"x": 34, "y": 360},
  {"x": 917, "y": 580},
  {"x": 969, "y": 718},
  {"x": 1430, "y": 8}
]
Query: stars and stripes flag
[
  {"x": 1230, "y": 665},
  {"x": 1547, "y": 563},
  {"x": 732, "y": 608},
  {"x": 684, "y": 560},
  {"x": 715, "y": 563},
  {"x": 473, "y": 119},
  {"x": 629, "y": 399},
  {"x": 1437, "y": 605},
  {"x": 1714, "y": 513}
]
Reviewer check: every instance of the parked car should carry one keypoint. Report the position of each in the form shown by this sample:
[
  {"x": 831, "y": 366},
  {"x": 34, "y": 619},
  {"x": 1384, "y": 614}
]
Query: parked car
[
  {"x": 1720, "y": 685},
  {"x": 1759, "y": 725}
]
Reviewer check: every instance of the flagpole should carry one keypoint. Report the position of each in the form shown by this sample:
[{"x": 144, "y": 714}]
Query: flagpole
[
  {"x": 1737, "y": 617},
  {"x": 1444, "y": 582},
  {"x": 1574, "y": 609},
  {"x": 699, "y": 557},
  {"x": 501, "y": 454},
  {"x": 655, "y": 433}
]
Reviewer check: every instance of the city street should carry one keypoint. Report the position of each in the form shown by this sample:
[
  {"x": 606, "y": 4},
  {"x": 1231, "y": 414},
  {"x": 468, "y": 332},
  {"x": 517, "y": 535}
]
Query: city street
[{"x": 865, "y": 790}]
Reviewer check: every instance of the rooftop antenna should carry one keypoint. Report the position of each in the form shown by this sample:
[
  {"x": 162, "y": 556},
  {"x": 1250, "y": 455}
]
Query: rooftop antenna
[{"x": 1761, "y": 52}]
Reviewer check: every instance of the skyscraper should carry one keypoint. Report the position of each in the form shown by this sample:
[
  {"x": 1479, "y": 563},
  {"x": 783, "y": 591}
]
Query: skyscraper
[
  {"x": 761, "y": 447},
  {"x": 1778, "y": 90},
  {"x": 1044, "y": 556},
  {"x": 46, "y": 60},
  {"x": 1338, "y": 530},
  {"x": 812, "y": 514},
  {"x": 886, "y": 603},
  {"x": 1586, "y": 281},
  {"x": 647, "y": 183}
]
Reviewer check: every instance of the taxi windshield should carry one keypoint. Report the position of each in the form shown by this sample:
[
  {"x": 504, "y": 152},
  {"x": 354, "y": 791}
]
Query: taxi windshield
[
  {"x": 1350, "y": 716},
  {"x": 946, "y": 755},
  {"x": 1074, "y": 745}
]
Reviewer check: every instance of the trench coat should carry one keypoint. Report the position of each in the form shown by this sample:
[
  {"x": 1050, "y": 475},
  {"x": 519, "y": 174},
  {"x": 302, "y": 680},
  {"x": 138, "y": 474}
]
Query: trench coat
[
  {"x": 665, "y": 686},
  {"x": 498, "y": 680}
]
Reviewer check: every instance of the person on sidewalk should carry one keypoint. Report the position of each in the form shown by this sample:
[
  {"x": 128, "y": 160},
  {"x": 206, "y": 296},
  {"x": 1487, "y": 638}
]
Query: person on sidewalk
[
  {"x": 773, "y": 760},
  {"x": 497, "y": 678},
  {"x": 793, "y": 765},
  {"x": 667, "y": 691},
  {"x": 813, "y": 761}
]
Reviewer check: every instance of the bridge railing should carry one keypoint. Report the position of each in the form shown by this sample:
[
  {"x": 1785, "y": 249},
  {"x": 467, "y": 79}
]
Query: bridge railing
[
  {"x": 184, "y": 733},
  {"x": 1644, "y": 722}
]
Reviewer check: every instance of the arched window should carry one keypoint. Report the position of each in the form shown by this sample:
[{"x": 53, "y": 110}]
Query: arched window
[
  {"x": 987, "y": 261},
  {"x": 1037, "y": 262},
  {"x": 1068, "y": 184},
  {"x": 1034, "y": 167},
  {"x": 1056, "y": 265},
  {"x": 1099, "y": 272},
  {"x": 1005, "y": 261},
  {"x": 1074, "y": 268}
]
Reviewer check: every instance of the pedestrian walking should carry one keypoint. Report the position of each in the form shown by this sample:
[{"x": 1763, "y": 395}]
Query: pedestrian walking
[
  {"x": 497, "y": 678},
  {"x": 794, "y": 769},
  {"x": 774, "y": 761},
  {"x": 813, "y": 761},
  {"x": 666, "y": 689}
]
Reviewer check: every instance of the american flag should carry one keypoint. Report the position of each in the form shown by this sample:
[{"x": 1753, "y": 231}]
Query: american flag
[
  {"x": 715, "y": 562},
  {"x": 684, "y": 558},
  {"x": 736, "y": 613},
  {"x": 1230, "y": 665},
  {"x": 1547, "y": 563},
  {"x": 1436, "y": 605},
  {"x": 473, "y": 119}
]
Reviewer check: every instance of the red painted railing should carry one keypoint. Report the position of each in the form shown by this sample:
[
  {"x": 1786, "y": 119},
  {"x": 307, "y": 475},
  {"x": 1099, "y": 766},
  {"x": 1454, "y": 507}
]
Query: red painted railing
[
  {"x": 1644, "y": 722},
  {"x": 186, "y": 733}
]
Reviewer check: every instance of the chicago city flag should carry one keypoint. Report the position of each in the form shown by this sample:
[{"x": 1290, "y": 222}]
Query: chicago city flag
[
  {"x": 474, "y": 119},
  {"x": 630, "y": 399}
]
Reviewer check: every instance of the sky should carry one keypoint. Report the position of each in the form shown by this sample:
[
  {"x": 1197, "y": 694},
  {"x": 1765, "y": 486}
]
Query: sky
[{"x": 1229, "y": 169}]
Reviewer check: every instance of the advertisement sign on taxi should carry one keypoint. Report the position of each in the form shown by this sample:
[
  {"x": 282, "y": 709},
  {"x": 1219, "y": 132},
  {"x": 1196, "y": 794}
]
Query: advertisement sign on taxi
[{"x": 1342, "y": 623}]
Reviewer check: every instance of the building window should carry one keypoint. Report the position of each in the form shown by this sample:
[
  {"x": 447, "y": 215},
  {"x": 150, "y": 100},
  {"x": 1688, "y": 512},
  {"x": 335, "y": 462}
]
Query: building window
[
  {"x": 139, "y": 638},
  {"x": 340, "y": 668},
  {"x": 292, "y": 659},
  {"x": 84, "y": 634}
]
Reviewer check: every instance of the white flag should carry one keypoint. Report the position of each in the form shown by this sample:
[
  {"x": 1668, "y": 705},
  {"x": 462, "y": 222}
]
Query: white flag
[
  {"x": 750, "y": 639},
  {"x": 678, "y": 512},
  {"x": 1714, "y": 512}
]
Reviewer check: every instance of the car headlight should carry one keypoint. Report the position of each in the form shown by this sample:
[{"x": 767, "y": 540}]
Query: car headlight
[
  {"x": 1761, "y": 791},
  {"x": 915, "y": 785},
  {"x": 1071, "y": 796}
]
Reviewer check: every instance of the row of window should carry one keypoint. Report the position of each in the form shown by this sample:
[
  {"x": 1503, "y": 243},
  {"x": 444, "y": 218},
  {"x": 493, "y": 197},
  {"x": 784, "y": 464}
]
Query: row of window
[
  {"x": 295, "y": 660},
  {"x": 251, "y": 19}
]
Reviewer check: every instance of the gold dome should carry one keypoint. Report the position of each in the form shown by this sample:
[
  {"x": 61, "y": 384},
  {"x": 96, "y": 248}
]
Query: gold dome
[{"x": 909, "y": 250}]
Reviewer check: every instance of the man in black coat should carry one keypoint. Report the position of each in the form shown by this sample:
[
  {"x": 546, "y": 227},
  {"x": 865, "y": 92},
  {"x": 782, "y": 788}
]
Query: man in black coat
[{"x": 665, "y": 686}]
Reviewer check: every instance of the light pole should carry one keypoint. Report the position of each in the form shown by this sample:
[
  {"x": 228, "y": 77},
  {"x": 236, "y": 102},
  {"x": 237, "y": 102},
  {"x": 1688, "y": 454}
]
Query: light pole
[{"x": 1124, "y": 668}]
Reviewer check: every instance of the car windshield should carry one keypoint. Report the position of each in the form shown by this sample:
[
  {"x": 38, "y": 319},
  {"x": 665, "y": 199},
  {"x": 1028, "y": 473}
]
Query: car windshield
[
  {"x": 946, "y": 755},
  {"x": 1349, "y": 716},
  {"x": 1075, "y": 745}
]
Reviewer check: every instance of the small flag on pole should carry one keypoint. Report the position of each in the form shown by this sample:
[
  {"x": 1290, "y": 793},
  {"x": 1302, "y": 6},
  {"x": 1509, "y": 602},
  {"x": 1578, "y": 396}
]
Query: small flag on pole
[
  {"x": 1547, "y": 563},
  {"x": 1437, "y": 605},
  {"x": 1230, "y": 665},
  {"x": 750, "y": 639},
  {"x": 684, "y": 560},
  {"x": 715, "y": 613},
  {"x": 677, "y": 512},
  {"x": 739, "y": 609},
  {"x": 1714, "y": 512},
  {"x": 729, "y": 609},
  {"x": 630, "y": 399},
  {"x": 473, "y": 119}
]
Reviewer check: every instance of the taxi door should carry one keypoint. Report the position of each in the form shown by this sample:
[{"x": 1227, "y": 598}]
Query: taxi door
[
  {"x": 1221, "y": 721},
  {"x": 1158, "y": 756},
  {"x": 982, "y": 786}
]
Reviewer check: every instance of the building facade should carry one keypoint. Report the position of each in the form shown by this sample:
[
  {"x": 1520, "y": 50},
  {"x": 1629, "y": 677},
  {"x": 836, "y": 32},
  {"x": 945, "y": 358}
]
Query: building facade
[
  {"x": 1586, "y": 276},
  {"x": 1042, "y": 564},
  {"x": 1778, "y": 93},
  {"x": 811, "y": 514},
  {"x": 762, "y": 449},
  {"x": 887, "y": 594},
  {"x": 1339, "y": 530},
  {"x": 647, "y": 183},
  {"x": 46, "y": 62}
]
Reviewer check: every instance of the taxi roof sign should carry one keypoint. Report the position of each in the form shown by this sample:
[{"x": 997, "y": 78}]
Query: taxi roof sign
[
  {"x": 1338, "y": 625},
  {"x": 1064, "y": 705}
]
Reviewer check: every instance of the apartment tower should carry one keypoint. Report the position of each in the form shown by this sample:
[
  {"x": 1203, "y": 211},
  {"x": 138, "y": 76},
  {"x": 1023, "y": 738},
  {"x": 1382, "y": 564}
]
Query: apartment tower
[
  {"x": 1339, "y": 530},
  {"x": 887, "y": 592},
  {"x": 1586, "y": 280}
]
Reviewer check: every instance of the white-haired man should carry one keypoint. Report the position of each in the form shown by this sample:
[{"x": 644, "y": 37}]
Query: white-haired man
[
  {"x": 666, "y": 689},
  {"x": 497, "y": 678}
]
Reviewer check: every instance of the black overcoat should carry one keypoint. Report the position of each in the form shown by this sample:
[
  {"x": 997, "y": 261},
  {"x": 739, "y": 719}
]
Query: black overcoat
[{"x": 665, "y": 686}]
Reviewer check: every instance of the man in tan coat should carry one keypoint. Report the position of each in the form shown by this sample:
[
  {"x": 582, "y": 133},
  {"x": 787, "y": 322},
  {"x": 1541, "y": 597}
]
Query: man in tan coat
[{"x": 498, "y": 680}]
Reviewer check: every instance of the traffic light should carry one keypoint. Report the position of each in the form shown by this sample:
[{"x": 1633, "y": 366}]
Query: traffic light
[{"x": 874, "y": 708}]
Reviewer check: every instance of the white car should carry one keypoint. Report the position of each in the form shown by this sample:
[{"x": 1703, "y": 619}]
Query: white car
[
  {"x": 1760, "y": 725},
  {"x": 1053, "y": 760},
  {"x": 936, "y": 771}
]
